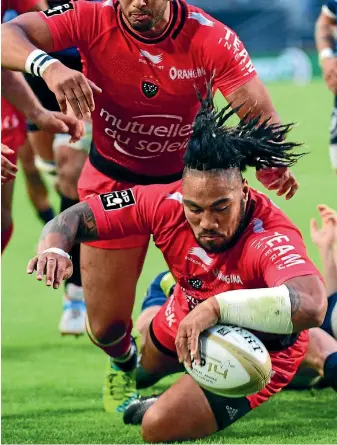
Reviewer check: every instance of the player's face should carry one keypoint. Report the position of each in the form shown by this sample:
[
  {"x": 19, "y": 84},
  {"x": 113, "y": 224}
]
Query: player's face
[
  {"x": 143, "y": 15},
  {"x": 214, "y": 205}
]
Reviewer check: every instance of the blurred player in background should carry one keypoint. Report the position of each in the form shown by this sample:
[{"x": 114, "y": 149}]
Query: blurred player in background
[
  {"x": 20, "y": 102},
  {"x": 143, "y": 60},
  {"x": 326, "y": 46},
  {"x": 209, "y": 226},
  {"x": 57, "y": 156}
]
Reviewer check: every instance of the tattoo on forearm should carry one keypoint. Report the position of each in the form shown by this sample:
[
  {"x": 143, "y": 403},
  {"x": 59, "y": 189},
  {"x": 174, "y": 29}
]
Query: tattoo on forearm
[
  {"x": 76, "y": 224},
  {"x": 325, "y": 35},
  {"x": 295, "y": 299},
  {"x": 87, "y": 228}
]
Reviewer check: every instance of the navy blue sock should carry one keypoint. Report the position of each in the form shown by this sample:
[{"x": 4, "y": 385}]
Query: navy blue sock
[
  {"x": 46, "y": 215},
  {"x": 327, "y": 323},
  {"x": 330, "y": 370}
]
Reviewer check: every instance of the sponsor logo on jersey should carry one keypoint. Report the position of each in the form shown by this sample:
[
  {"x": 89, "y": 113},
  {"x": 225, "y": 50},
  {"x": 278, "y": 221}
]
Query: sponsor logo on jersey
[
  {"x": 277, "y": 247},
  {"x": 10, "y": 122},
  {"x": 229, "y": 279},
  {"x": 61, "y": 9},
  {"x": 201, "y": 19},
  {"x": 154, "y": 59},
  {"x": 191, "y": 301},
  {"x": 169, "y": 312},
  {"x": 172, "y": 134},
  {"x": 177, "y": 196},
  {"x": 201, "y": 254},
  {"x": 186, "y": 74},
  {"x": 258, "y": 225},
  {"x": 196, "y": 283},
  {"x": 149, "y": 89},
  {"x": 117, "y": 200},
  {"x": 232, "y": 43}
]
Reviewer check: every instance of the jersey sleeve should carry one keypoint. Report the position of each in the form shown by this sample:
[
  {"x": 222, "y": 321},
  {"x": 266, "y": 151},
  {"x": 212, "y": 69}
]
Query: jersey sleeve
[
  {"x": 278, "y": 256},
  {"x": 72, "y": 24},
  {"x": 329, "y": 8},
  {"x": 124, "y": 213},
  {"x": 228, "y": 59},
  {"x": 22, "y": 6}
]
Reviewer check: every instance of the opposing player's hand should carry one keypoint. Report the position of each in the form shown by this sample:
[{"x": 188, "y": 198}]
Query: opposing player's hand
[
  {"x": 280, "y": 179},
  {"x": 8, "y": 169},
  {"x": 55, "y": 122},
  {"x": 72, "y": 86},
  {"x": 325, "y": 237},
  {"x": 53, "y": 266},
  {"x": 329, "y": 68},
  {"x": 205, "y": 315}
]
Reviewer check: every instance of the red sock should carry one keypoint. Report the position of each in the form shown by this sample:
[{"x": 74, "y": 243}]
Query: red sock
[
  {"x": 118, "y": 349},
  {"x": 5, "y": 237}
]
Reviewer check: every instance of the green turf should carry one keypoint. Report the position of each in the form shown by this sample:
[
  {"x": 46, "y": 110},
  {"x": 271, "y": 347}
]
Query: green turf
[{"x": 51, "y": 386}]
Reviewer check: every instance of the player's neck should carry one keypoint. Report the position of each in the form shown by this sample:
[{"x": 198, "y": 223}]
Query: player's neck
[{"x": 160, "y": 27}]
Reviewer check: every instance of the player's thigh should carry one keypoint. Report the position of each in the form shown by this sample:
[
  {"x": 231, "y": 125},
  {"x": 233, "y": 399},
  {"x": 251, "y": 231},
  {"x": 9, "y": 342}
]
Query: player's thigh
[
  {"x": 42, "y": 144},
  {"x": 181, "y": 413},
  {"x": 109, "y": 279},
  {"x": 69, "y": 165},
  {"x": 6, "y": 204},
  {"x": 26, "y": 156},
  {"x": 156, "y": 360}
]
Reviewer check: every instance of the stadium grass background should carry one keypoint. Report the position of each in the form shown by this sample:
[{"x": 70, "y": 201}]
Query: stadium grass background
[{"x": 51, "y": 386}]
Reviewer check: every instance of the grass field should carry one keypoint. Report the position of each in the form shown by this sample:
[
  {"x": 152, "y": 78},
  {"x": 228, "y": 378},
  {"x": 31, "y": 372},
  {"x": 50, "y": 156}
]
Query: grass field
[{"x": 51, "y": 386}]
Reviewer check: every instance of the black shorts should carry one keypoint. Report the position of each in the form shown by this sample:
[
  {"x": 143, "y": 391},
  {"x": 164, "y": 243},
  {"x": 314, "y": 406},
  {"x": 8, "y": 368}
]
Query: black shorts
[{"x": 39, "y": 87}]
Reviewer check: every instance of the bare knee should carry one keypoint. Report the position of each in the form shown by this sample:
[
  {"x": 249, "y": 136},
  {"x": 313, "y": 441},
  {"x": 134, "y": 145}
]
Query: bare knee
[
  {"x": 153, "y": 428},
  {"x": 106, "y": 333}
]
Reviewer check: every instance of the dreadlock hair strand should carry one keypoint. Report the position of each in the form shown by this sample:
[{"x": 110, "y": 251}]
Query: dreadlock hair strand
[{"x": 252, "y": 143}]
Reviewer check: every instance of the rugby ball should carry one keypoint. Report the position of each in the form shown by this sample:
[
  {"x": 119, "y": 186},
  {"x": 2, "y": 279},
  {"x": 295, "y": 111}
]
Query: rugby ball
[{"x": 234, "y": 362}]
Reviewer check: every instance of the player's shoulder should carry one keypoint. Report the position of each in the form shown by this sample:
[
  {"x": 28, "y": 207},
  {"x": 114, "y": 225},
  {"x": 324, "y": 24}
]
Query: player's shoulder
[
  {"x": 266, "y": 216},
  {"x": 102, "y": 12},
  {"x": 162, "y": 193},
  {"x": 202, "y": 25}
]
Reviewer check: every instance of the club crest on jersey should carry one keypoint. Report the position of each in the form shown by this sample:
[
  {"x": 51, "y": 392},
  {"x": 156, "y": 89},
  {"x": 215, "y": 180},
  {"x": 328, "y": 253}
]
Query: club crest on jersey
[
  {"x": 149, "y": 89},
  {"x": 61, "y": 9},
  {"x": 117, "y": 200}
]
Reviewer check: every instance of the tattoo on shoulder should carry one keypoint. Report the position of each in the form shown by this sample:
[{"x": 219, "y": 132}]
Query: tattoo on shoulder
[
  {"x": 295, "y": 299},
  {"x": 87, "y": 228}
]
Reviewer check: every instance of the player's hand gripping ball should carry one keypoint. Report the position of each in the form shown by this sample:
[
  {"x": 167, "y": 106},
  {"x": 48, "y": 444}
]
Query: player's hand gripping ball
[{"x": 233, "y": 362}]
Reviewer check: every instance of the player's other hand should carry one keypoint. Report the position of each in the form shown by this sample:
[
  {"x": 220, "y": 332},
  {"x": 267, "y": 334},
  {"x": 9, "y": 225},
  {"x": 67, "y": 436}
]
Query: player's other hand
[
  {"x": 280, "y": 179},
  {"x": 72, "y": 86},
  {"x": 53, "y": 266},
  {"x": 329, "y": 68},
  {"x": 55, "y": 122},
  {"x": 325, "y": 237},
  {"x": 8, "y": 169},
  {"x": 205, "y": 315}
]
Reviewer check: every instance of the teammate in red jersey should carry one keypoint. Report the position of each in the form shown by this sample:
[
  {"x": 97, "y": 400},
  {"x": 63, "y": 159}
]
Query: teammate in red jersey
[
  {"x": 143, "y": 59},
  {"x": 221, "y": 239}
]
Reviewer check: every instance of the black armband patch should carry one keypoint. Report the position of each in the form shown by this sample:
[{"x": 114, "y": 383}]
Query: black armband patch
[
  {"x": 117, "y": 200},
  {"x": 61, "y": 9}
]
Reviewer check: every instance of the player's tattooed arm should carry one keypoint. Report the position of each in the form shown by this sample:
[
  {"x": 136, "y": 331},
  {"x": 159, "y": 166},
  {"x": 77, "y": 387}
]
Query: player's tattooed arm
[
  {"x": 74, "y": 225},
  {"x": 325, "y": 32},
  {"x": 308, "y": 301}
]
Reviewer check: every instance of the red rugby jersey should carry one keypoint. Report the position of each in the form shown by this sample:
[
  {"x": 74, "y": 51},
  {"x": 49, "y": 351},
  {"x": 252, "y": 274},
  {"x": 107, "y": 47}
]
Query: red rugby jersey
[
  {"x": 20, "y": 6},
  {"x": 144, "y": 116},
  {"x": 269, "y": 251}
]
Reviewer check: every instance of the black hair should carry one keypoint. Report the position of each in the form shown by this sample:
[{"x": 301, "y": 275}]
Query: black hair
[{"x": 252, "y": 143}]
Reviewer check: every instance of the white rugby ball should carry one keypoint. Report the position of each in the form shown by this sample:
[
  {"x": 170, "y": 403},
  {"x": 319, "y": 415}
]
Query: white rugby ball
[{"x": 234, "y": 362}]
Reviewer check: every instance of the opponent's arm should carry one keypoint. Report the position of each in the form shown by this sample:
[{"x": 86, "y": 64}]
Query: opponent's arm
[
  {"x": 28, "y": 33},
  {"x": 76, "y": 224},
  {"x": 17, "y": 91},
  {"x": 300, "y": 303},
  {"x": 325, "y": 36}
]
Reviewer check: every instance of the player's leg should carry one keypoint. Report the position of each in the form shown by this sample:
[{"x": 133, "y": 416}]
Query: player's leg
[
  {"x": 69, "y": 162},
  {"x": 333, "y": 138},
  {"x": 36, "y": 187},
  {"x": 156, "y": 296},
  {"x": 6, "y": 214},
  {"x": 109, "y": 279}
]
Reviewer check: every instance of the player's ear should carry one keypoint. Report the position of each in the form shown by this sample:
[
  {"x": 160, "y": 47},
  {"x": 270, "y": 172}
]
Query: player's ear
[{"x": 245, "y": 190}]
